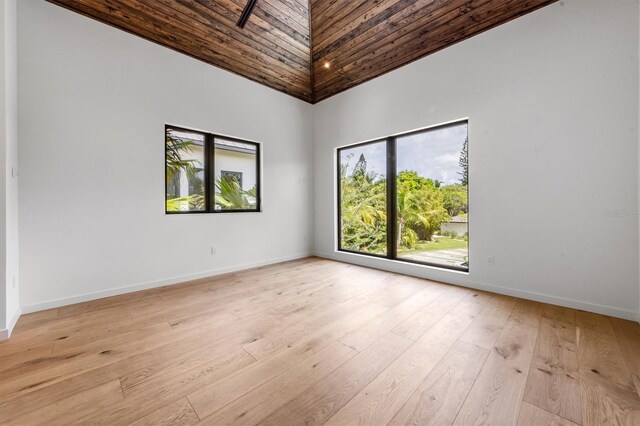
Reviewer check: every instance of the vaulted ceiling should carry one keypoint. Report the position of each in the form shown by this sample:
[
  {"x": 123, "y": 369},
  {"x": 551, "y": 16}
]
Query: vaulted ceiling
[{"x": 310, "y": 49}]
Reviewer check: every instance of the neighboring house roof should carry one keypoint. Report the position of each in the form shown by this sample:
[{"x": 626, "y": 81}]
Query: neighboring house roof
[
  {"x": 458, "y": 219},
  {"x": 220, "y": 143},
  {"x": 235, "y": 146}
]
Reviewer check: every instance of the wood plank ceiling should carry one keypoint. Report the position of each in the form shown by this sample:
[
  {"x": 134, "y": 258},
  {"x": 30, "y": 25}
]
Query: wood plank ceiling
[{"x": 310, "y": 49}]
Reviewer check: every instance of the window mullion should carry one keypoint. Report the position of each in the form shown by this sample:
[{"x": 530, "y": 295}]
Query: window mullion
[
  {"x": 210, "y": 173},
  {"x": 392, "y": 211}
]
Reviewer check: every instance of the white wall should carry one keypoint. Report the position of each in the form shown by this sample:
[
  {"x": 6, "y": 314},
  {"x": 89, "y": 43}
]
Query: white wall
[
  {"x": 9, "y": 306},
  {"x": 93, "y": 102},
  {"x": 552, "y": 102}
]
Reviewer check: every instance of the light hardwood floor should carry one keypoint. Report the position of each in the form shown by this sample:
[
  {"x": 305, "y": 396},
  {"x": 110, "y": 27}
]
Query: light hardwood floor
[{"x": 313, "y": 342}]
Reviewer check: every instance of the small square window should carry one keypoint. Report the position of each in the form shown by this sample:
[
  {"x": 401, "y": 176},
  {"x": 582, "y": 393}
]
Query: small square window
[{"x": 206, "y": 173}]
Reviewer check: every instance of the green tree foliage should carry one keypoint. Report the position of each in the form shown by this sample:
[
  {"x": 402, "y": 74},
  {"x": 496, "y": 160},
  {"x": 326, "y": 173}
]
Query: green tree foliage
[
  {"x": 464, "y": 164},
  {"x": 420, "y": 208},
  {"x": 455, "y": 199},
  {"x": 231, "y": 196},
  {"x": 364, "y": 209}
]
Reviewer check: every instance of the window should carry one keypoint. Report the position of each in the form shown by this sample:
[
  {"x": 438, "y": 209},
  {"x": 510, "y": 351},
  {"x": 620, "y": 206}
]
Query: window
[
  {"x": 363, "y": 195},
  {"x": 237, "y": 176},
  {"x": 424, "y": 176},
  {"x": 206, "y": 173}
]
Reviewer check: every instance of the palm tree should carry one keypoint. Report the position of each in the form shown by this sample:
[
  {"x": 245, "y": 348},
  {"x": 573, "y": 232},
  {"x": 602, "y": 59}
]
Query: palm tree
[
  {"x": 419, "y": 212},
  {"x": 231, "y": 196},
  {"x": 175, "y": 148}
]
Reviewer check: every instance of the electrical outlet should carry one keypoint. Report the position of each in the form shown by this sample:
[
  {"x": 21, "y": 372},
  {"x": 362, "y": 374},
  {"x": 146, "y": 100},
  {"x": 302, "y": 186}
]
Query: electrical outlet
[
  {"x": 214, "y": 251},
  {"x": 491, "y": 260}
]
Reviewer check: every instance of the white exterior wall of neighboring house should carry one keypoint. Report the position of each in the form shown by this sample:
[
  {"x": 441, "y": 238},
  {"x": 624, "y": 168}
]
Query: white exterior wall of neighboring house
[
  {"x": 196, "y": 154},
  {"x": 235, "y": 161},
  {"x": 459, "y": 228}
]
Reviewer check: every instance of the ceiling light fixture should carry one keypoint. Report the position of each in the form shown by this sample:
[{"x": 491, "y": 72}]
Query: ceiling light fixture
[{"x": 327, "y": 65}]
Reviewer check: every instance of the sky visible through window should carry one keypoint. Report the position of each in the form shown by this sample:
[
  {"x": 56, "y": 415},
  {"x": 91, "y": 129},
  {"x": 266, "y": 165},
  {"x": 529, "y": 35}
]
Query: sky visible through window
[{"x": 433, "y": 154}]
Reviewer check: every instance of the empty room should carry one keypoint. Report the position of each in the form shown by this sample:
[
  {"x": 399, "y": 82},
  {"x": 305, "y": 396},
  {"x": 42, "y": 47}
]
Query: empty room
[{"x": 320, "y": 212}]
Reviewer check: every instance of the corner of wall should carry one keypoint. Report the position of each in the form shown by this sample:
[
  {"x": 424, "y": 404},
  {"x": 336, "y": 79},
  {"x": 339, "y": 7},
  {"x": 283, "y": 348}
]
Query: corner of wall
[
  {"x": 12, "y": 320},
  {"x": 9, "y": 168}
]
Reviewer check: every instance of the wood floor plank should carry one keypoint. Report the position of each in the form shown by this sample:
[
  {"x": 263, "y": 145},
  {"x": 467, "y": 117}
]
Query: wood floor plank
[
  {"x": 260, "y": 402},
  {"x": 219, "y": 394},
  {"x": 262, "y": 348},
  {"x": 46, "y": 395},
  {"x": 179, "y": 413},
  {"x": 421, "y": 353},
  {"x": 496, "y": 396},
  {"x": 485, "y": 329},
  {"x": 325, "y": 398},
  {"x": 530, "y": 415},
  {"x": 150, "y": 375},
  {"x": 439, "y": 398},
  {"x": 62, "y": 328},
  {"x": 157, "y": 394},
  {"x": 527, "y": 312},
  {"x": 32, "y": 375},
  {"x": 31, "y": 354},
  {"x": 593, "y": 321},
  {"x": 135, "y": 354},
  {"x": 33, "y": 320},
  {"x": 381, "y": 399},
  {"x": 607, "y": 389},
  {"x": 373, "y": 330},
  {"x": 559, "y": 313},
  {"x": 420, "y": 322},
  {"x": 395, "y": 291},
  {"x": 554, "y": 382},
  {"x": 76, "y": 340},
  {"x": 628, "y": 337},
  {"x": 70, "y": 410}
]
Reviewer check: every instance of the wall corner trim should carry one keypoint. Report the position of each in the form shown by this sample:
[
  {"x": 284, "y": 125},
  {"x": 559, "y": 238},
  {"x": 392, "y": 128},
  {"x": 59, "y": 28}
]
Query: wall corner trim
[{"x": 5, "y": 333}]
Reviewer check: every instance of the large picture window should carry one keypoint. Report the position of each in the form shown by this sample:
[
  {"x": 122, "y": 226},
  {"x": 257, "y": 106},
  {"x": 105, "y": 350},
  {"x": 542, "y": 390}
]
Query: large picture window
[
  {"x": 405, "y": 197},
  {"x": 206, "y": 173}
]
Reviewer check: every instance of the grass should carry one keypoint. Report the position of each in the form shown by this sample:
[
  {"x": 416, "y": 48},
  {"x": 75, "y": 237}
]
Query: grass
[{"x": 443, "y": 243}]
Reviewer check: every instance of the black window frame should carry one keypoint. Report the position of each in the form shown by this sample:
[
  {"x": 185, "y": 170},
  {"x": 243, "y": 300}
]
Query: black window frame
[
  {"x": 391, "y": 199},
  {"x": 209, "y": 172}
]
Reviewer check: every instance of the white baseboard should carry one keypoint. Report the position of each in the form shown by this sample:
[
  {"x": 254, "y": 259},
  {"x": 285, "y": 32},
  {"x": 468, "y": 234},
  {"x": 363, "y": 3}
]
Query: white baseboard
[
  {"x": 56, "y": 303},
  {"x": 5, "y": 333},
  {"x": 396, "y": 267}
]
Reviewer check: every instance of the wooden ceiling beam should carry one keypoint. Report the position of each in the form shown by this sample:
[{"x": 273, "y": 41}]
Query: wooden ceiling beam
[
  {"x": 257, "y": 25},
  {"x": 228, "y": 46},
  {"x": 208, "y": 27},
  {"x": 246, "y": 13}
]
